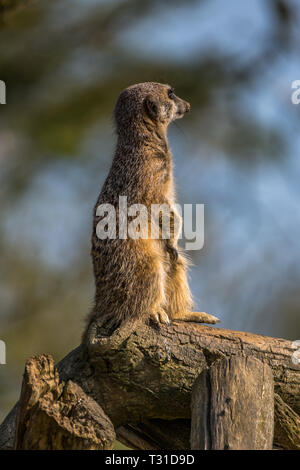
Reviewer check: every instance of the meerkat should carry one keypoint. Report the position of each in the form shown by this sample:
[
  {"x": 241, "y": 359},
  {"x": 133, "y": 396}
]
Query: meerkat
[{"x": 142, "y": 278}]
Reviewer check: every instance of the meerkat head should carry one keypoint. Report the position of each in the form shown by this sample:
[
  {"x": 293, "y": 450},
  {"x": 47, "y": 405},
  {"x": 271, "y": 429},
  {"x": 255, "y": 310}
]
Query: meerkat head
[{"x": 151, "y": 101}]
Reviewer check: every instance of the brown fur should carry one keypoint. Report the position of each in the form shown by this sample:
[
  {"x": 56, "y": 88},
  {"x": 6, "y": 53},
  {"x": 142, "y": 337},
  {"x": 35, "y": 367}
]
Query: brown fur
[{"x": 142, "y": 278}]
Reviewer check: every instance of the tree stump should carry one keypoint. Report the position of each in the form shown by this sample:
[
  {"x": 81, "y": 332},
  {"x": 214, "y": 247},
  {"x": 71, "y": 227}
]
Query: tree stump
[
  {"x": 233, "y": 406},
  {"x": 58, "y": 415}
]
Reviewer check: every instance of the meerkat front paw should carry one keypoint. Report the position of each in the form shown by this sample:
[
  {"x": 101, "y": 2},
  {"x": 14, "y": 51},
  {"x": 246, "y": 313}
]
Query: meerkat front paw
[
  {"x": 172, "y": 252},
  {"x": 160, "y": 316}
]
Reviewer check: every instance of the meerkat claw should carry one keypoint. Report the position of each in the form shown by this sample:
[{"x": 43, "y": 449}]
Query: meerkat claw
[
  {"x": 160, "y": 317},
  {"x": 163, "y": 317},
  {"x": 154, "y": 317}
]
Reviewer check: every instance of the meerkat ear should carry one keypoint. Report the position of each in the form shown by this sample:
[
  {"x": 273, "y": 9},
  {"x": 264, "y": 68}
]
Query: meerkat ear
[{"x": 151, "y": 107}]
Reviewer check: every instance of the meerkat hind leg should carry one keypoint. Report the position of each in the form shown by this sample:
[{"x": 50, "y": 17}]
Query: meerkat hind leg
[{"x": 198, "y": 317}]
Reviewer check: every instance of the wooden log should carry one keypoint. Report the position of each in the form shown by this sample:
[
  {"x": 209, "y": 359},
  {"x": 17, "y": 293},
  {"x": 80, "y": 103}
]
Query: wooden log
[
  {"x": 233, "y": 406},
  {"x": 55, "y": 415},
  {"x": 144, "y": 377}
]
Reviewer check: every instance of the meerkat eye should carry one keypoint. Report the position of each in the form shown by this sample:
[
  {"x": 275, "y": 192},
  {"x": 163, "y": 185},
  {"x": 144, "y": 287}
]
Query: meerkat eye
[{"x": 171, "y": 93}]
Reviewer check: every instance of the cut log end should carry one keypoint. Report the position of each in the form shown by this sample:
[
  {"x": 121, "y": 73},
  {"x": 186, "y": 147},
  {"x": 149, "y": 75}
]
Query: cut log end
[{"x": 233, "y": 406}]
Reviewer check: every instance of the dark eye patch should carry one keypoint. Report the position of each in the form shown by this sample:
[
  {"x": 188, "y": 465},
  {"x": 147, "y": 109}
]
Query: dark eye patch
[{"x": 171, "y": 93}]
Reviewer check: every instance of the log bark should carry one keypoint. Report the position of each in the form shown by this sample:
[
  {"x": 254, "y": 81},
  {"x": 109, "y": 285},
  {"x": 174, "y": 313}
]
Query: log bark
[
  {"x": 233, "y": 406},
  {"x": 142, "y": 376}
]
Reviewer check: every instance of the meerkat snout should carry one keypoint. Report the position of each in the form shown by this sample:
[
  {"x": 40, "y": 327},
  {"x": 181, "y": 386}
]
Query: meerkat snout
[
  {"x": 183, "y": 107},
  {"x": 180, "y": 106}
]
